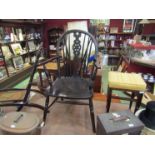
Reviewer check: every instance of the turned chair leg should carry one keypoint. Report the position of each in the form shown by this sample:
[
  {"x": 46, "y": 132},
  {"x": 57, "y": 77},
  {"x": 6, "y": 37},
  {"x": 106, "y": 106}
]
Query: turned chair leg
[
  {"x": 109, "y": 95},
  {"x": 138, "y": 103},
  {"x": 92, "y": 114},
  {"x": 132, "y": 97},
  {"x": 46, "y": 108}
]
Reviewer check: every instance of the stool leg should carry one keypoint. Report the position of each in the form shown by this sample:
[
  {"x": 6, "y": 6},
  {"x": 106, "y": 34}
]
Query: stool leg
[
  {"x": 132, "y": 97},
  {"x": 138, "y": 103},
  {"x": 108, "y": 99}
]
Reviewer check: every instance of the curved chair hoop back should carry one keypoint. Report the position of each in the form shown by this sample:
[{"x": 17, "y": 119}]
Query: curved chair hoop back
[{"x": 78, "y": 50}]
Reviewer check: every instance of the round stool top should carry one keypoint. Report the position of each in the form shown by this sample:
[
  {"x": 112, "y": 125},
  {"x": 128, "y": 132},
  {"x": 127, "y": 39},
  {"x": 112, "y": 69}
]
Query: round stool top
[{"x": 19, "y": 122}]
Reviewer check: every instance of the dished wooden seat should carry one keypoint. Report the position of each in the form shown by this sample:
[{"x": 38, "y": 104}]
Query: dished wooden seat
[{"x": 65, "y": 87}]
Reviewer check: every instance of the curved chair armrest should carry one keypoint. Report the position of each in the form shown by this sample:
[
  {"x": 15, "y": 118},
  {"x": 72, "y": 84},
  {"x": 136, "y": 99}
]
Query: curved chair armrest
[{"x": 48, "y": 60}]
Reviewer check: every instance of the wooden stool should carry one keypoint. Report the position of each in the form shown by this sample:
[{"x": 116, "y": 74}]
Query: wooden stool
[
  {"x": 125, "y": 82},
  {"x": 20, "y": 123}
]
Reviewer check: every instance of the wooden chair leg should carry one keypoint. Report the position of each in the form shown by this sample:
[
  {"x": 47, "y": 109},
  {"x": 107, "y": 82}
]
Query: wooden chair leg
[
  {"x": 92, "y": 114},
  {"x": 138, "y": 103},
  {"x": 41, "y": 79},
  {"x": 109, "y": 95},
  {"x": 46, "y": 108},
  {"x": 132, "y": 97}
]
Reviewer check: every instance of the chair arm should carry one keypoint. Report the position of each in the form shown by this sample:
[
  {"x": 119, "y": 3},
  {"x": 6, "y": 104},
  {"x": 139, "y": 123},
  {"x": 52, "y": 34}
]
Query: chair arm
[{"x": 48, "y": 60}]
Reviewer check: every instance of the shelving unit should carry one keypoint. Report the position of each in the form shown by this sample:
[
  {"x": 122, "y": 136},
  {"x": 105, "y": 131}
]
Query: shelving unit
[
  {"x": 112, "y": 41},
  {"x": 53, "y": 36},
  {"x": 19, "y": 42}
]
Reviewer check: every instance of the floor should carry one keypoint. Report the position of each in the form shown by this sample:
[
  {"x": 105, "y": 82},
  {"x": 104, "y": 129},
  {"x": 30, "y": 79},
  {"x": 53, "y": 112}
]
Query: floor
[{"x": 67, "y": 119}]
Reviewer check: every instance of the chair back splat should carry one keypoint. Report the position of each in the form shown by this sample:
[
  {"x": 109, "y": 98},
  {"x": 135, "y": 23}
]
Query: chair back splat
[{"x": 78, "y": 50}]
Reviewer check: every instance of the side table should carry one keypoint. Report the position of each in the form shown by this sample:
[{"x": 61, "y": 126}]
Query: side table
[{"x": 117, "y": 123}]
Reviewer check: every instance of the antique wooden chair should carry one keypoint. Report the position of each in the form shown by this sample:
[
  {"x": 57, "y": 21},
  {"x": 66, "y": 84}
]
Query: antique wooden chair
[
  {"x": 75, "y": 79},
  {"x": 21, "y": 97}
]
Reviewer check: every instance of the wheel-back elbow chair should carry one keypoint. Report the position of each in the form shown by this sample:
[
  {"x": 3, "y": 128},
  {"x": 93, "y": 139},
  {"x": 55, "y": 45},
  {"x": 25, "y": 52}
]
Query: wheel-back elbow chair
[{"x": 75, "y": 78}]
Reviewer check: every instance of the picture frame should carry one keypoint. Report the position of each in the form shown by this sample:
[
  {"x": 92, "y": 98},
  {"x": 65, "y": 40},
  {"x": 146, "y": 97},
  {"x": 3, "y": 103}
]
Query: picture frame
[
  {"x": 18, "y": 62},
  {"x": 114, "y": 30},
  {"x": 3, "y": 73},
  {"x": 16, "y": 48},
  {"x": 6, "y": 51},
  {"x": 128, "y": 25},
  {"x": 32, "y": 46}
]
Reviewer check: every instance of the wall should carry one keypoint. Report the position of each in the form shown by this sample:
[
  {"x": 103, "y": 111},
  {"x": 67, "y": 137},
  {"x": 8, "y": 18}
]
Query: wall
[
  {"x": 149, "y": 29},
  {"x": 50, "y": 23},
  {"x": 117, "y": 23}
]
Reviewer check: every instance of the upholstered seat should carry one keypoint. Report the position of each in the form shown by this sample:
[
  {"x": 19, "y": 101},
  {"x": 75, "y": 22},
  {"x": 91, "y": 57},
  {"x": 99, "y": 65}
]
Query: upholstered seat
[
  {"x": 65, "y": 87},
  {"x": 129, "y": 81}
]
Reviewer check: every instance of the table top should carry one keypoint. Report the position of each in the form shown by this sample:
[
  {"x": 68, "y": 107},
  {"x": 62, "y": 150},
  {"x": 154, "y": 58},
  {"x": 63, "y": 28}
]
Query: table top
[
  {"x": 124, "y": 126},
  {"x": 51, "y": 66},
  {"x": 147, "y": 63},
  {"x": 126, "y": 81}
]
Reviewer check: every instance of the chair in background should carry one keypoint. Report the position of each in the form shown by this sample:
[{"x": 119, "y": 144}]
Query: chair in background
[
  {"x": 123, "y": 65},
  {"x": 75, "y": 79},
  {"x": 20, "y": 98}
]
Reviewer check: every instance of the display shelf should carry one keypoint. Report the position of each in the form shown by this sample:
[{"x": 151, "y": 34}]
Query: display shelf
[
  {"x": 121, "y": 33},
  {"x": 53, "y": 36},
  {"x": 19, "y": 41},
  {"x": 20, "y": 21},
  {"x": 12, "y": 80},
  {"x": 114, "y": 47},
  {"x": 112, "y": 40},
  {"x": 143, "y": 47}
]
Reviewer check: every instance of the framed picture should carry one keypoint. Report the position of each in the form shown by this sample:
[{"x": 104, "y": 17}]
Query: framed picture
[
  {"x": 17, "y": 49},
  {"x": 6, "y": 51},
  {"x": 32, "y": 46},
  {"x": 114, "y": 30},
  {"x": 18, "y": 62},
  {"x": 3, "y": 73},
  {"x": 128, "y": 25}
]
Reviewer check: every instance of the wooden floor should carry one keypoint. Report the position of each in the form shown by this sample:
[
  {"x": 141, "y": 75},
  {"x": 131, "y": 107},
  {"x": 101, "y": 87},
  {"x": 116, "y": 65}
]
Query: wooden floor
[{"x": 66, "y": 119}]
